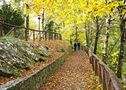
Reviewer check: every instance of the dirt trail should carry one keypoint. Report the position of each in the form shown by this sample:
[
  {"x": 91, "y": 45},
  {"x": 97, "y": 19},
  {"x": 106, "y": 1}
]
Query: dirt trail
[{"x": 74, "y": 74}]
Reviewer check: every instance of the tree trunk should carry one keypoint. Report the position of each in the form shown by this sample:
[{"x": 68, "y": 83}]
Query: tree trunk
[
  {"x": 43, "y": 19},
  {"x": 27, "y": 26},
  {"x": 96, "y": 36},
  {"x": 76, "y": 34},
  {"x": 122, "y": 42},
  {"x": 121, "y": 52},
  {"x": 87, "y": 35},
  {"x": 105, "y": 56}
]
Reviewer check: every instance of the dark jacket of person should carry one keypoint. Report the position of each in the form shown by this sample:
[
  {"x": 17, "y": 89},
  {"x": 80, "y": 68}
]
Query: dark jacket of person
[
  {"x": 75, "y": 46},
  {"x": 78, "y": 45}
]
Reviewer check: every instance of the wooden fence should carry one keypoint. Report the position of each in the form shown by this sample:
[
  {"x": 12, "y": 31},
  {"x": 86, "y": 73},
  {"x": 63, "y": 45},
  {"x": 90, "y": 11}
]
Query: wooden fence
[
  {"x": 32, "y": 34},
  {"x": 106, "y": 75}
]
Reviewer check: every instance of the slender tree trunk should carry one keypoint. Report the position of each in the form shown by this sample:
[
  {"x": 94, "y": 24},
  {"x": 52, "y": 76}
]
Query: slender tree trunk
[
  {"x": 121, "y": 52},
  {"x": 87, "y": 35},
  {"x": 105, "y": 56},
  {"x": 87, "y": 38},
  {"x": 39, "y": 28},
  {"x": 91, "y": 38},
  {"x": 97, "y": 35},
  {"x": 76, "y": 34},
  {"x": 27, "y": 26},
  {"x": 43, "y": 19},
  {"x": 125, "y": 31},
  {"x": 122, "y": 42}
]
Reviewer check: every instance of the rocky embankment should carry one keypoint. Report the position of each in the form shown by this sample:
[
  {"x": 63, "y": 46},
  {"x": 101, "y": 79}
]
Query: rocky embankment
[{"x": 17, "y": 56}]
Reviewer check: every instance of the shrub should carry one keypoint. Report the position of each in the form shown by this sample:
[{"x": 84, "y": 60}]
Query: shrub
[{"x": 11, "y": 16}]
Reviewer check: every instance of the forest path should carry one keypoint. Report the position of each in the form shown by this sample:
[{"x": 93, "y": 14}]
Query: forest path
[{"x": 75, "y": 74}]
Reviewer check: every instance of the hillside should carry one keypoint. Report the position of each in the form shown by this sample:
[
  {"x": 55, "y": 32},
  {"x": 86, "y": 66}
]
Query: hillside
[{"x": 20, "y": 58}]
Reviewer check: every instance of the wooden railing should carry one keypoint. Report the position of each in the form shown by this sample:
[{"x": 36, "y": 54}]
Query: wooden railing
[
  {"x": 106, "y": 75},
  {"x": 45, "y": 35},
  {"x": 35, "y": 34}
]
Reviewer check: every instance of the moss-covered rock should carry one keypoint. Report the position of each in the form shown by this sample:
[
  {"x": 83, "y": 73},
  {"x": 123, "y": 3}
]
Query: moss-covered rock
[{"x": 16, "y": 56}]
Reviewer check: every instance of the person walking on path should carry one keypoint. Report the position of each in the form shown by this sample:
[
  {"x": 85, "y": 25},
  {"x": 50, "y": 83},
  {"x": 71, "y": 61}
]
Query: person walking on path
[
  {"x": 71, "y": 42},
  {"x": 78, "y": 45},
  {"x": 75, "y": 46}
]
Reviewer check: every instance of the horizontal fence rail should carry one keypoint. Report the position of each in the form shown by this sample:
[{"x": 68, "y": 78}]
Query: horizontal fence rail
[
  {"x": 31, "y": 34},
  {"x": 106, "y": 75}
]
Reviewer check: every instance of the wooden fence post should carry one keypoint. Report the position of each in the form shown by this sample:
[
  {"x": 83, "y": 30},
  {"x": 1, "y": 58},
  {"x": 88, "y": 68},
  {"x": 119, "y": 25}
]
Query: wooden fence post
[
  {"x": 40, "y": 35},
  {"x": 110, "y": 85},
  {"x": 48, "y": 35},
  {"x": 54, "y": 36},
  {"x": 60, "y": 37},
  {"x": 14, "y": 32},
  {"x": 33, "y": 35},
  {"x": 104, "y": 79},
  {"x": 93, "y": 66},
  {"x": 45, "y": 35},
  {"x": 51, "y": 36},
  {"x": 96, "y": 67},
  {"x": 100, "y": 75},
  {"x": 90, "y": 58}
]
